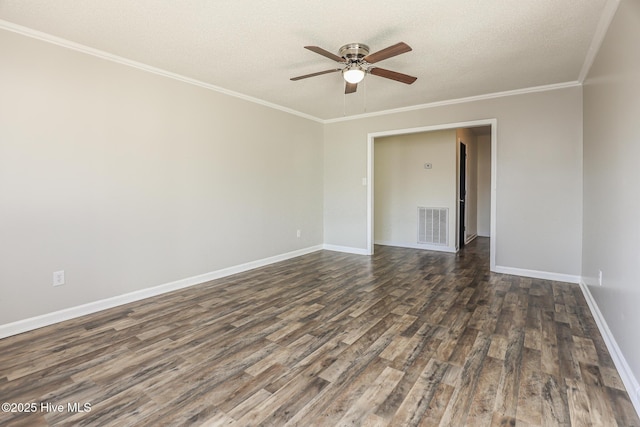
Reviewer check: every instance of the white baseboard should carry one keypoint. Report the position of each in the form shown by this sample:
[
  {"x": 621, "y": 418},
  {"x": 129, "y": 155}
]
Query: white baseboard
[
  {"x": 417, "y": 246},
  {"x": 535, "y": 274},
  {"x": 32, "y": 323},
  {"x": 470, "y": 239},
  {"x": 629, "y": 380},
  {"x": 345, "y": 249}
]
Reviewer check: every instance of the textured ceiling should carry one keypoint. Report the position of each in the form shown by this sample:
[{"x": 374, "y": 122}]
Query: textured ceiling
[{"x": 461, "y": 48}]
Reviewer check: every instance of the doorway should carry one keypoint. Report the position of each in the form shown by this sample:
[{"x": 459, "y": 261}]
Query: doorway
[
  {"x": 462, "y": 213},
  {"x": 489, "y": 124}
]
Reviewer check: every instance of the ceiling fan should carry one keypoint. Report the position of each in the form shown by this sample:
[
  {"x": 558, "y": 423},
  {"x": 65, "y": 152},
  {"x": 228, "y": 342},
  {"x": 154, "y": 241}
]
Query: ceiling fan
[{"x": 356, "y": 62}]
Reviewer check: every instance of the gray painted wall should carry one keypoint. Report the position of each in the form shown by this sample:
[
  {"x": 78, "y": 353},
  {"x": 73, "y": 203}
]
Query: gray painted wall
[
  {"x": 611, "y": 230},
  {"x": 402, "y": 184},
  {"x": 484, "y": 185},
  {"x": 128, "y": 180}
]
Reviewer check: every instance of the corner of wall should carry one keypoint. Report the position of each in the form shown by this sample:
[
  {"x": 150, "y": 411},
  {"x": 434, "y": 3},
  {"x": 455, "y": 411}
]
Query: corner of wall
[{"x": 630, "y": 381}]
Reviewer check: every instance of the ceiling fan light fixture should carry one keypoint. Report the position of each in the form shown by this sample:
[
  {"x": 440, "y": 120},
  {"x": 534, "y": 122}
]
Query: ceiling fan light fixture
[{"x": 353, "y": 74}]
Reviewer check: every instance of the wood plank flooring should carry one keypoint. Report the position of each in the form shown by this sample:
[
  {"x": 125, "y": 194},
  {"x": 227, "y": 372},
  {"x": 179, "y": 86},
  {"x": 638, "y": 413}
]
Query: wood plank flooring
[{"x": 403, "y": 338}]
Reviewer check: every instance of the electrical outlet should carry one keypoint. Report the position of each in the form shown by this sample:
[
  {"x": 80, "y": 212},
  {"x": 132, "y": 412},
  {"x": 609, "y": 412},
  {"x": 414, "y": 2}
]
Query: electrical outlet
[
  {"x": 600, "y": 277},
  {"x": 58, "y": 278},
  {"x": 298, "y": 233}
]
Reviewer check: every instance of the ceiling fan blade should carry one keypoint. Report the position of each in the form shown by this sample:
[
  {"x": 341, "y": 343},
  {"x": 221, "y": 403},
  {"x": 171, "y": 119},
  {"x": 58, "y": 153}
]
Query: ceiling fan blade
[
  {"x": 319, "y": 73},
  {"x": 350, "y": 87},
  {"x": 388, "y": 74},
  {"x": 325, "y": 53},
  {"x": 389, "y": 52}
]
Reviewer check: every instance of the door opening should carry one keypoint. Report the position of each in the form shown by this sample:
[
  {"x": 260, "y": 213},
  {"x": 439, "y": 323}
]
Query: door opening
[
  {"x": 487, "y": 218},
  {"x": 462, "y": 236}
]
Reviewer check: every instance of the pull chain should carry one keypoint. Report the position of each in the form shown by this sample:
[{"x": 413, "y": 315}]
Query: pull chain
[
  {"x": 365, "y": 95},
  {"x": 344, "y": 104}
]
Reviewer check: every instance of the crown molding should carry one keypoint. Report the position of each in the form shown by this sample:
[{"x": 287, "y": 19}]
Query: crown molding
[
  {"x": 606, "y": 17},
  {"x": 9, "y": 26},
  {"x": 493, "y": 95}
]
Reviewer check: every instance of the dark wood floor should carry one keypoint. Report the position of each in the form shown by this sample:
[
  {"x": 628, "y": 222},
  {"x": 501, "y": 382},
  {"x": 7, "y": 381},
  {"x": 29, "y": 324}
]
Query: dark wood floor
[{"x": 403, "y": 338}]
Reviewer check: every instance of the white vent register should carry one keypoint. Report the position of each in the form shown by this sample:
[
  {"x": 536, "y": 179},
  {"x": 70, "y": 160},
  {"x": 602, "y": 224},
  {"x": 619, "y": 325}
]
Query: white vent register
[{"x": 433, "y": 224}]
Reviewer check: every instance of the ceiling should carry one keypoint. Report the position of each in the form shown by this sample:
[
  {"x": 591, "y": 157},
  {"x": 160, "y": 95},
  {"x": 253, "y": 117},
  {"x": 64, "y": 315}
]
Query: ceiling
[{"x": 461, "y": 48}]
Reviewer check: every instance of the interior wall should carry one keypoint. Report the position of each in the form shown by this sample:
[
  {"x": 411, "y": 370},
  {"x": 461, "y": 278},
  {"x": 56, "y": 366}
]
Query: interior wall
[
  {"x": 402, "y": 184},
  {"x": 484, "y": 185},
  {"x": 127, "y": 180},
  {"x": 467, "y": 136},
  {"x": 611, "y": 176},
  {"x": 539, "y": 175}
]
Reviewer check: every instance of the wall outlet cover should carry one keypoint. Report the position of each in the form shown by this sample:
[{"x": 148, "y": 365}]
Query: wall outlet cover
[{"x": 58, "y": 278}]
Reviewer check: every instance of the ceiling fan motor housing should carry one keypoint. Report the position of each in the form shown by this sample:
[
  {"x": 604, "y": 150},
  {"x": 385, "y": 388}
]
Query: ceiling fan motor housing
[{"x": 354, "y": 52}]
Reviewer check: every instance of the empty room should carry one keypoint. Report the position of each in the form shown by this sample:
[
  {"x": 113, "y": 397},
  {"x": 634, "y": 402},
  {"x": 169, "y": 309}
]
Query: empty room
[{"x": 420, "y": 213}]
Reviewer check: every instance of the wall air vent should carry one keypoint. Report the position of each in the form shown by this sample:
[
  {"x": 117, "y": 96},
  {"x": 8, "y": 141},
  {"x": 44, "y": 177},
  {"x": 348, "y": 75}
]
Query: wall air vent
[{"x": 433, "y": 225}]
